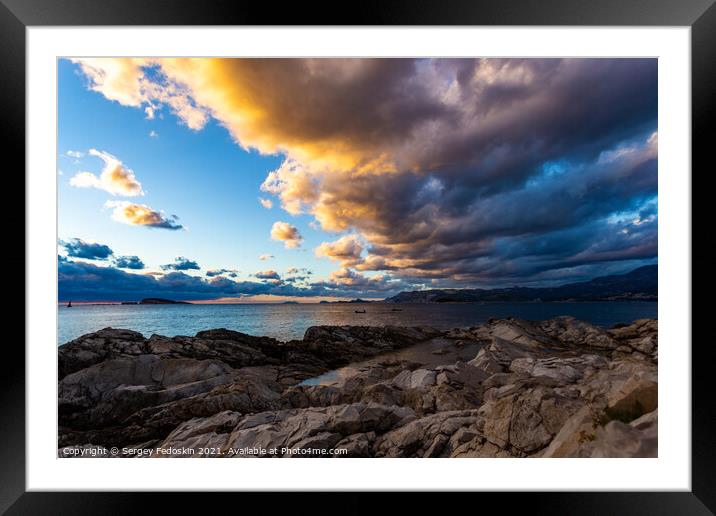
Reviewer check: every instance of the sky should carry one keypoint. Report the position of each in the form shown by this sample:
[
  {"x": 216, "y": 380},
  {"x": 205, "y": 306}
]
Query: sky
[{"x": 254, "y": 180}]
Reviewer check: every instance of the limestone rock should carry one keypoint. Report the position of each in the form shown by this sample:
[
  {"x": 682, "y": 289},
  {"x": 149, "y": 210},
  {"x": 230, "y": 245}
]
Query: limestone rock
[
  {"x": 557, "y": 388},
  {"x": 286, "y": 431},
  {"x": 579, "y": 430},
  {"x": 570, "y": 331},
  {"x": 636, "y": 397},
  {"x": 95, "y": 347},
  {"x": 617, "y": 439},
  {"x": 427, "y": 436}
]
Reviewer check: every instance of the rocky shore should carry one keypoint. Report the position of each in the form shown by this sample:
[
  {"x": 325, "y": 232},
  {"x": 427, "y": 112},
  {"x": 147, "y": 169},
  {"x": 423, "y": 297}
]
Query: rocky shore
[{"x": 557, "y": 388}]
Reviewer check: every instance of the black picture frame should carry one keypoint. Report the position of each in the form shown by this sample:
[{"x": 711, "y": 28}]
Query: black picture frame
[{"x": 17, "y": 15}]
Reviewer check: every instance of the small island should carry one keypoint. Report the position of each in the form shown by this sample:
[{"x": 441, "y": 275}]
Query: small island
[
  {"x": 161, "y": 301},
  {"x": 351, "y": 301}
]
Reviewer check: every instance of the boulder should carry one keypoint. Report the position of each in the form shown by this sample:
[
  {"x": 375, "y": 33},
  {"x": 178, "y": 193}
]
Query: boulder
[
  {"x": 427, "y": 436},
  {"x": 634, "y": 398},
  {"x": 95, "y": 347},
  {"x": 286, "y": 432},
  {"x": 108, "y": 392},
  {"x": 577, "y": 431},
  {"x": 618, "y": 439},
  {"x": 422, "y": 378},
  {"x": 572, "y": 332}
]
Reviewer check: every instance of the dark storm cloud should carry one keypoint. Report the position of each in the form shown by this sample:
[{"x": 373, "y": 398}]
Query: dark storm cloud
[
  {"x": 487, "y": 237},
  {"x": 535, "y": 110},
  {"x": 295, "y": 279},
  {"x": 579, "y": 251},
  {"x": 128, "y": 262},
  {"x": 181, "y": 264},
  {"x": 298, "y": 270},
  {"x": 471, "y": 171},
  {"x": 87, "y": 282},
  {"x": 83, "y": 281},
  {"x": 525, "y": 148},
  {"x": 231, "y": 273},
  {"x": 78, "y": 248}
]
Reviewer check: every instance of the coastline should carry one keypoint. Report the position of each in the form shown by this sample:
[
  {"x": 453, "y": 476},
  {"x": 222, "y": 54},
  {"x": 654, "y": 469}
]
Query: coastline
[
  {"x": 289, "y": 322},
  {"x": 372, "y": 303},
  {"x": 556, "y": 388}
]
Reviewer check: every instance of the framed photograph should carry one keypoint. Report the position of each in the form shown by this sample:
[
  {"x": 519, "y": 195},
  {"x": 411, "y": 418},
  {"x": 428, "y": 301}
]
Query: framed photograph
[{"x": 439, "y": 245}]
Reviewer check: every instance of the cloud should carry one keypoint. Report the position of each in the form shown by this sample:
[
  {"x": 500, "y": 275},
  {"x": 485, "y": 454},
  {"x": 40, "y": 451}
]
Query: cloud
[
  {"x": 85, "y": 281},
  {"x": 345, "y": 276},
  {"x": 115, "y": 178},
  {"x": 350, "y": 281},
  {"x": 297, "y": 275},
  {"x": 402, "y": 112},
  {"x": 75, "y": 154},
  {"x": 117, "y": 79},
  {"x": 548, "y": 223},
  {"x": 444, "y": 168},
  {"x": 141, "y": 215},
  {"x": 130, "y": 82},
  {"x": 78, "y": 248},
  {"x": 153, "y": 134},
  {"x": 296, "y": 279},
  {"x": 180, "y": 264},
  {"x": 266, "y": 203},
  {"x": 269, "y": 274},
  {"x": 297, "y": 270},
  {"x": 128, "y": 262},
  {"x": 294, "y": 184},
  {"x": 231, "y": 273},
  {"x": 286, "y": 233},
  {"x": 265, "y": 257},
  {"x": 346, "y": 250}
]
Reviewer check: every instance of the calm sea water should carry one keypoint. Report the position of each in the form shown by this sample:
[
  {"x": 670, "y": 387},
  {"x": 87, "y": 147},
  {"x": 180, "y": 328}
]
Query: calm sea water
[{"x": 286, "y": 322}]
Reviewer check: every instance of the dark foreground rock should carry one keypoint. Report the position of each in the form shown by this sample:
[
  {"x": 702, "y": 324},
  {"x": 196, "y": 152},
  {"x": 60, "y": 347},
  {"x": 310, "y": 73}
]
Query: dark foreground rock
[{"x": 558, "y": 388}]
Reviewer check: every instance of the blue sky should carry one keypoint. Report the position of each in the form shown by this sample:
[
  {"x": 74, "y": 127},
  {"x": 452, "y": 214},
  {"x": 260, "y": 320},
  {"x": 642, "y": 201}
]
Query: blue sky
[
  {"x": 383, "y": 175},
  {"x": 203, "y": 177}
]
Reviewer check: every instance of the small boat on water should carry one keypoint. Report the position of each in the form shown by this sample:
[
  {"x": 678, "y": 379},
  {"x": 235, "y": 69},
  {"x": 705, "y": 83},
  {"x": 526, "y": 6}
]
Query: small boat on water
[
  {"x": 396, "y": 309},
  {"x": 359, "y": 311},
  {"x": 69, "y": 305}
]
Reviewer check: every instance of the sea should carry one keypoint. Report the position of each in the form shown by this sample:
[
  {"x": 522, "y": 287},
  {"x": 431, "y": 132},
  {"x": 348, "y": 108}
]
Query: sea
[{"x": 290, "y": 321}]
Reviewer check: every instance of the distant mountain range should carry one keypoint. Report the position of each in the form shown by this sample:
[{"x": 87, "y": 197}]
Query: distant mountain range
[
  {"x": 342, "y": 301},
  {"x": 639, "y": 285}
]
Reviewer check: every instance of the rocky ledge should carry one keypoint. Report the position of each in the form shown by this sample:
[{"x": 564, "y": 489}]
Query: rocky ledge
[{"x": 557, "y": 388}]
